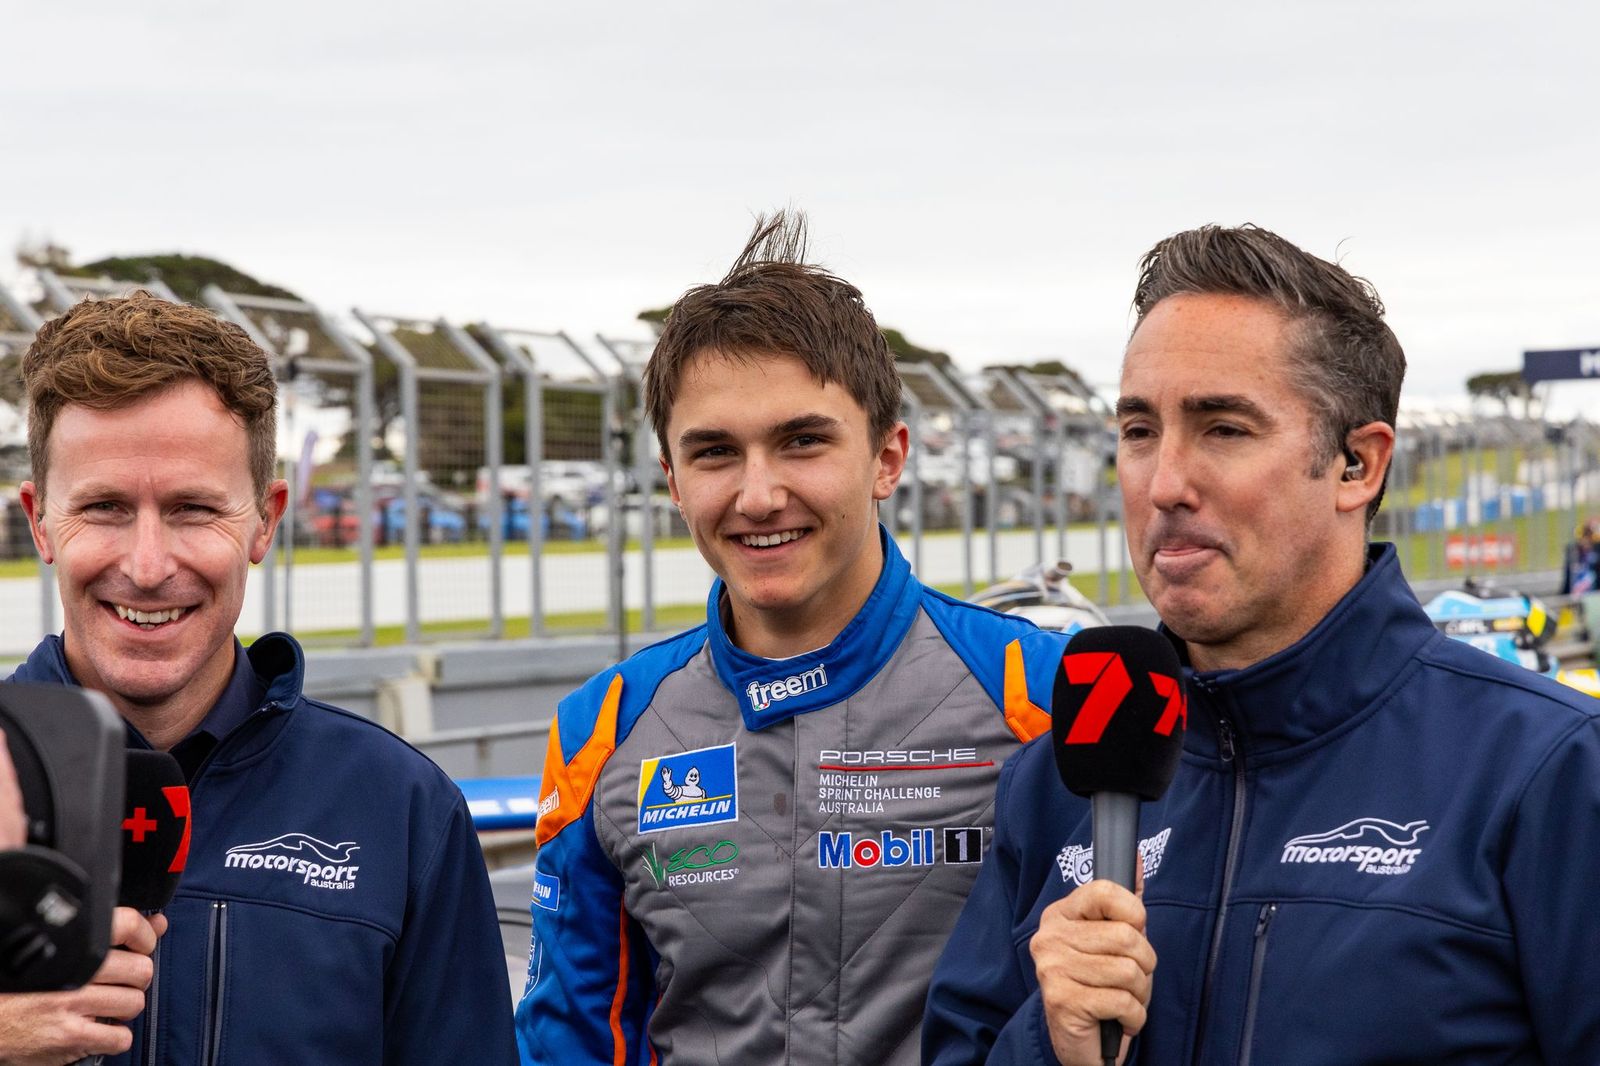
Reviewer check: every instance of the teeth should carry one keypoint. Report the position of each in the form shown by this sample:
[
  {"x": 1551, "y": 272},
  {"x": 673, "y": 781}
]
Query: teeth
[
  {"x": 771, "y": 540},
  {"x": 148, "y": 618}
]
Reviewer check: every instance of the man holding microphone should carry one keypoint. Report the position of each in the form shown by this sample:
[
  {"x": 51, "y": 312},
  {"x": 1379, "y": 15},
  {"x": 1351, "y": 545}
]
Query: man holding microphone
[
  {"x": 334, "y": 905},
  {"x": 1380, "y": 845}
]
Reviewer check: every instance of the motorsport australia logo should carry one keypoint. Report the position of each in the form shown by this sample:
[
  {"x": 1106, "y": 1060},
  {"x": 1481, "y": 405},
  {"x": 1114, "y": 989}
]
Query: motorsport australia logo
[
  {"x": 316, "y": 862},
  {"x": 1371, "y": 845},
  {"x": 699, "y": 787},
  {"x": 764, "y": 694},
  {"x": 1076, "y": 861}
]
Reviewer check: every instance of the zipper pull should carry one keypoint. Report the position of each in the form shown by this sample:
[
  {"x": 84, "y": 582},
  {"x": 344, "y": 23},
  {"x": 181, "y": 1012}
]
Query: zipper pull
[
  {"x": 1265, "y": 919},
  {"x": 1225, "y": 739}
]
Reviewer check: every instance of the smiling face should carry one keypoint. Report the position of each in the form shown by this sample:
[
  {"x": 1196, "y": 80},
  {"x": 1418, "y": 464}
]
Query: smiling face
[
  {"x": 152, "y": 523},
  {"x": 1238, "y": 546},
  {"x": 777, "y": 476}
]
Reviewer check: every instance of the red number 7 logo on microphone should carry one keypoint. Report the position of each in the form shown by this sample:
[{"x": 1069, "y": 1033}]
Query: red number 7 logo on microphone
[{"x": 1106, "y": 672}]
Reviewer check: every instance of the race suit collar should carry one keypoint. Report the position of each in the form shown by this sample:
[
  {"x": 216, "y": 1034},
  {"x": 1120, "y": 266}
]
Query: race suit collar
[
  {"x": 1327, "y": 679},
  {"x": 769, "y": 692}
]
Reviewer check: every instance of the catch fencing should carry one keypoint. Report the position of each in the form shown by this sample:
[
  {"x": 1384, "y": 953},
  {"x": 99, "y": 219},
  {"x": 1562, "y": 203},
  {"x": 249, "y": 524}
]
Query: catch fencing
[{"x": 453, "y": 481}]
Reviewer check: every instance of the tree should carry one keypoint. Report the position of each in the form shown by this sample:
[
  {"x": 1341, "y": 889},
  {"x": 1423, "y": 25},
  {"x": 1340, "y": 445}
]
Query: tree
[
  {"x": 1503, "y": 386},
  {"x": 186, "y": 275},
  {"x": 907, "y": 352},
  {"x": 655, "y": 317}
]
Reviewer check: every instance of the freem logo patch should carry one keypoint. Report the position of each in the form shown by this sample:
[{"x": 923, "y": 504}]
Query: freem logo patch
[{"x": 699, "y": 787}]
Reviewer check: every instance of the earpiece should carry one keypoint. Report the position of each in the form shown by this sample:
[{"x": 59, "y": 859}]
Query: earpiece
[{"x": 1354, "y": 469}]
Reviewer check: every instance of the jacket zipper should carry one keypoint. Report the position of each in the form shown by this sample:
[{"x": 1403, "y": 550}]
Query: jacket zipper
[
  {"x": 152, "y": 1006},
  {"x": 1230, "y": 756},
  {"x": 152, "y": 1010},
  {"x": 1257, "y": 959},
  {"x": 216, "y": 982}
]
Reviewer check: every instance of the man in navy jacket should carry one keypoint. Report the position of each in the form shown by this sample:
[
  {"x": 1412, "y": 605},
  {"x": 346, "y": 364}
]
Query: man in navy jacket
[
  {"x": 335, "y": 906},
  {"x": 1381, "y": 844}
]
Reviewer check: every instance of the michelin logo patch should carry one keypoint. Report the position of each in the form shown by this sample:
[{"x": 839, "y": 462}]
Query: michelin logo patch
[
  {"x": 699, "y": 787},
  {"x": 546, "y": 891}
]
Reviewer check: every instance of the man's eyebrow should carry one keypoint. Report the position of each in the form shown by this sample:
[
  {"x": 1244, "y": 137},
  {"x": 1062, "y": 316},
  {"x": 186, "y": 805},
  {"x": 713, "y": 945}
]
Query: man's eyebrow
[
  {"x": 1226, "y": 403},
  {"x": 804, "y": 423},
  {"x": 119, "y": 490},
  {"x": 693, "y": 437},
  {"x": 808, "y": 423}
]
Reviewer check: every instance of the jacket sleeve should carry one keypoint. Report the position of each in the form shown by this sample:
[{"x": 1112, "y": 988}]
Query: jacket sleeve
[
  {"x": 591, "y": 983},
  {"x": 980, "y": 1008},
  {"x": 1552, "y": 868},
  {"x": 447, "y": 997}
]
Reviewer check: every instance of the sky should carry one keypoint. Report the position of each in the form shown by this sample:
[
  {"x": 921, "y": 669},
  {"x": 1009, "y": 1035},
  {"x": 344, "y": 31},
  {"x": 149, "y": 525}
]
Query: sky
[{"x": 987, "y": 174}]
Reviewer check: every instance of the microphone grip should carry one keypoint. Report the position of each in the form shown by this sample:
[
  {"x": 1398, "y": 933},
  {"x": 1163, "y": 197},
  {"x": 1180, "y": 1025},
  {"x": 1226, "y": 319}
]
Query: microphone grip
[
  {"x": 1116, "y": 837},
  {"x": 1116, "y": 855}
]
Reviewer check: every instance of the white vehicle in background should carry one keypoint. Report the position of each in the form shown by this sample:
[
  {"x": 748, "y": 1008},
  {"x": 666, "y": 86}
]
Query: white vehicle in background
[
  {"x": 1044, "y": 595},
  {"x": 574, "y": 483}
]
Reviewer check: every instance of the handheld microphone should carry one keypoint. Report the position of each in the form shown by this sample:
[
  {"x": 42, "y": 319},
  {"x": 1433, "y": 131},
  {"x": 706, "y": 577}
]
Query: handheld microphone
[
  {"x": 155, "y": 836},
  {"x": 1118, "y": 713},
  {"x": 155, "y": 830}
]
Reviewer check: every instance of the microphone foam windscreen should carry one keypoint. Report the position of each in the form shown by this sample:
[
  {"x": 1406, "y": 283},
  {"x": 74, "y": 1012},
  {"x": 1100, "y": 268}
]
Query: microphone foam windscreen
[
  {"x": 1118, "y": 712},
  {"x": 155, "y": 830}
]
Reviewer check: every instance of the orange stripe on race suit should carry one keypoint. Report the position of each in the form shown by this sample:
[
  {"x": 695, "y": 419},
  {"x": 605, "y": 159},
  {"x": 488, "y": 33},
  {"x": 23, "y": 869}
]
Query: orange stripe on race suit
[
  {"x": 565, "y": 791},
  {"x": 619, "y": 1045},
  {"x": 1023, "y": 716}
]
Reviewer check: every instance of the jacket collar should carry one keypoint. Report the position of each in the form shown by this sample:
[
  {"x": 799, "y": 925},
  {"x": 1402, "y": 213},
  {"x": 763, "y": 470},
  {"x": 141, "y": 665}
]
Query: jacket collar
[
  {"x": 1333, "y": 674},
  {"x": 770, "y": 691},
  {"x": 276, "y": 659}
]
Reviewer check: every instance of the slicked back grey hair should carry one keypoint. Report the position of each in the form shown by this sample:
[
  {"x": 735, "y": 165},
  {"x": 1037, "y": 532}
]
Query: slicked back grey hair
[
  {"x": 1346, "y": 361},
  {"x": 772, "y": 302}
]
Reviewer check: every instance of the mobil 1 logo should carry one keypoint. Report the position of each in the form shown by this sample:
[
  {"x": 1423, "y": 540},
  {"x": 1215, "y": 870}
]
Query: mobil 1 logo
[
  {"x": 891, "y": 849},
  {"x": 963, "y": 845}
]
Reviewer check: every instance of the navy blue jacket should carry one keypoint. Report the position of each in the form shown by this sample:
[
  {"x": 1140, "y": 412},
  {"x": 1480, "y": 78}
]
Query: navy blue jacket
[
  {"x": 1382, "y": 846},
  {"x": 335, "y": 907}
]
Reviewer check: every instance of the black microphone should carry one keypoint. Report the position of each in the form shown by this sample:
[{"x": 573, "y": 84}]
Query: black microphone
[
  {"x": 1117, "y": 713},
  {"x": 155, "y": 836},
  {"x": 155, "y": 830}
]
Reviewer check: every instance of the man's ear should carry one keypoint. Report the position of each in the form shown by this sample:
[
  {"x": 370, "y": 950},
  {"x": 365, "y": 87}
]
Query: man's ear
[
  {"x": 891, "y": 461},
  {"x": 672, "y": 480},
  {"x": 33, "y": 506},
  {"x": 1361, "y": 467},
  {"x": 276, "y": 502}
]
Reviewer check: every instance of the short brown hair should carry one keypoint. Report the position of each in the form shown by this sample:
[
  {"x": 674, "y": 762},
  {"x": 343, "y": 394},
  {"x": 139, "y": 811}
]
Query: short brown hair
[
  {"x": 107, "y": 354},
  {"x": 1348, "y": 363},
  {"x": 772, "y": 302}
]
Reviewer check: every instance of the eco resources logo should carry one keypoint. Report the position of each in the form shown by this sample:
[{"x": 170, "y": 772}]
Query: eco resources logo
[
  {"x": 1371, "y": 845},
  {"x": 1076, "y": 861},
  {"x": 698, "y": 865},
  {"x": 699, "y": 787},
  {"x": 886, "y": 849},
  {"x": 764, "y": 694},
  {"x": 316, "y": 862}
]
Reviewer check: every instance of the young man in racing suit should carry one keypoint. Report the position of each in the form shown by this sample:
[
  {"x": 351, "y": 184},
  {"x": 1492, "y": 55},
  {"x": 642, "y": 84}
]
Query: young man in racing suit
[
  {"x": 755, "y": 837},
  {"x": 1381, "y": 844}
]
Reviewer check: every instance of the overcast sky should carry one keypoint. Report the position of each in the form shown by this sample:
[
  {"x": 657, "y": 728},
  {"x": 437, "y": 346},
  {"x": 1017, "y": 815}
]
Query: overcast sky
[{"x": 988, "y": 174}]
